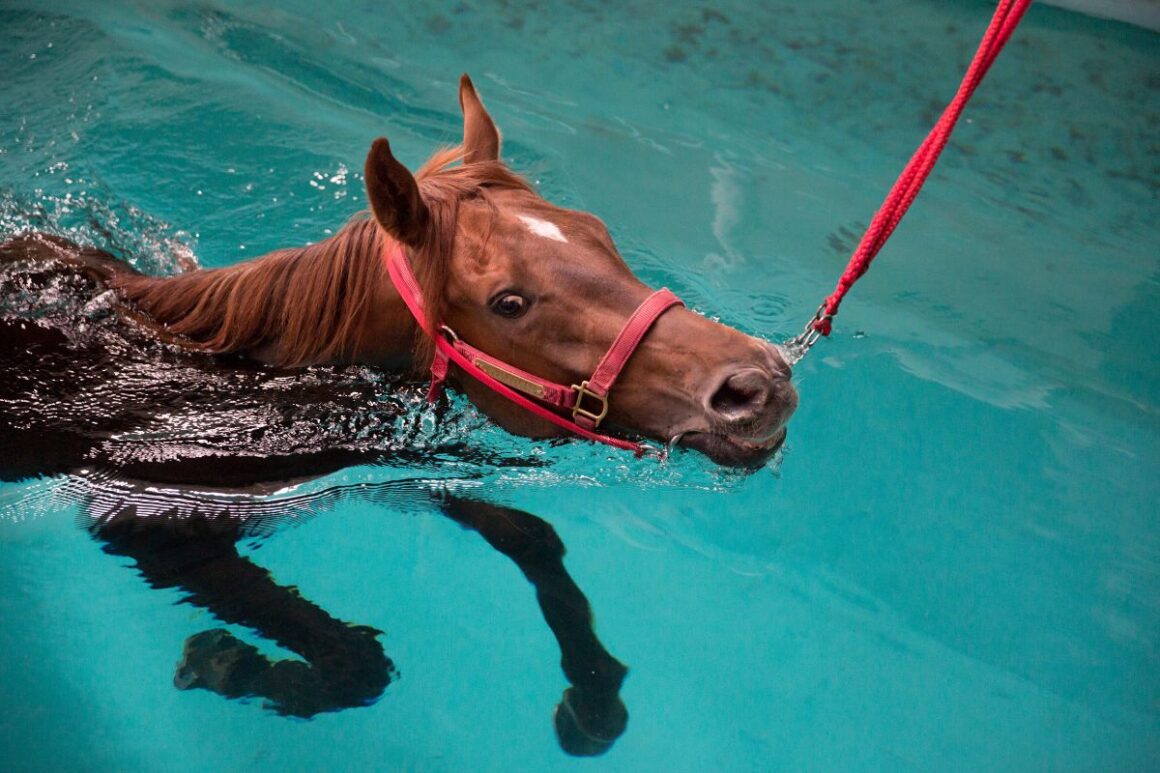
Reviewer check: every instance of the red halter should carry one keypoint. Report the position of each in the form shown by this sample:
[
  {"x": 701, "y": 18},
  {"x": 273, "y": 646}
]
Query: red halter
[{"x": 587, "y": 401}]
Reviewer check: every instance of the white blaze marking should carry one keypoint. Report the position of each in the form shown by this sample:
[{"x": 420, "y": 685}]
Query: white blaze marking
[{"x": 543, "y": 228}]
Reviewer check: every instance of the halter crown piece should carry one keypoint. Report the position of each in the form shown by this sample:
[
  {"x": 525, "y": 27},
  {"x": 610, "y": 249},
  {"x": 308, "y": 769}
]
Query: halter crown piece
[{"x": 586, "y": 402}]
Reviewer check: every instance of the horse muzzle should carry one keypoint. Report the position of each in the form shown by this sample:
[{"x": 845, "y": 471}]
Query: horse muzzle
[{"x": 745, "y": 412}]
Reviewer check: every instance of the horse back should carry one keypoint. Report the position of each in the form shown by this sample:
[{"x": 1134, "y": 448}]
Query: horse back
[{"x": 39, "y": 247}]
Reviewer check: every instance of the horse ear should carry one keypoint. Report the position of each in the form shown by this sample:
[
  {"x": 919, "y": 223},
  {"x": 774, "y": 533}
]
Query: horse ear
[
  {"x": 394, "y": 196},
  {"x": 480, "y": 136}
]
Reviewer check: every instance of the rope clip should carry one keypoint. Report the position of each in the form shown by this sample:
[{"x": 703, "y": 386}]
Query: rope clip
[{"x": 795, "y": 348}]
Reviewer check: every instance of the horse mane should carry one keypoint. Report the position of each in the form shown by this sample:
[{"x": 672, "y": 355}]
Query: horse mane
[{"x": 309, "y": 305}]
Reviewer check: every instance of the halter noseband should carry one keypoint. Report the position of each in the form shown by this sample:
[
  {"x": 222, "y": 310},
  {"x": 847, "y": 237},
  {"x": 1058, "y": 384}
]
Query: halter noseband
[{"x": 587, "y": 401}]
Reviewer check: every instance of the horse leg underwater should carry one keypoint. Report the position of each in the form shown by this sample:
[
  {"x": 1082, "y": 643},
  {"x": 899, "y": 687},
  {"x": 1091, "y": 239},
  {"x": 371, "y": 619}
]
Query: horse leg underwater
[
  {"x": 344, "y": 665},
  {"x": 591, "y": 715}
]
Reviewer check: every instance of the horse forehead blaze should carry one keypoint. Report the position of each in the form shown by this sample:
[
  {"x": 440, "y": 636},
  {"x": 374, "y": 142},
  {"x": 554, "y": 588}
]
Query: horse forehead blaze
[
  {"x": 544, "y": 228},
  {"x": 522, "y": 241}
]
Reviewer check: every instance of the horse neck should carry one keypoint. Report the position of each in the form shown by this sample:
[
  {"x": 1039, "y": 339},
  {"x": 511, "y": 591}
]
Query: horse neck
[
  {"x": 386, "y": 331},
  {"x": 330, "y": 302}
]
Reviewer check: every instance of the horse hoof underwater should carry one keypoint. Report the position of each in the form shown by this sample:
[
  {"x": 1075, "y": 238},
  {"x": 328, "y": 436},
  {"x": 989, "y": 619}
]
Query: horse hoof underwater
[{"x": 461, "y": 269}]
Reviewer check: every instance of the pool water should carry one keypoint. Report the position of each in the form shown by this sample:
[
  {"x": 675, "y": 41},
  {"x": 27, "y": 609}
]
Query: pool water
[{"x": 955, "y": 565}]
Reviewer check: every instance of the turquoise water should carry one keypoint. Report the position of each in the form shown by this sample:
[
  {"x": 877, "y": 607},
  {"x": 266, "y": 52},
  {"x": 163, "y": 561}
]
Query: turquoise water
[{"x": 955, "y": 565}]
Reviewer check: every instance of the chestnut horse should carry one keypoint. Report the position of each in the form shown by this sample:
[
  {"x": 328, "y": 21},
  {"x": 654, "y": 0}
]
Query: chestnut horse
[
  {"x": 212, "y": 353},
  {"x": 540, "y": 286}
]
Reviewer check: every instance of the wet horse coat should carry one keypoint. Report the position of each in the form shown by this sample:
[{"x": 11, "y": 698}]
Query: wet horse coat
[{"x": 250, "y": 376}]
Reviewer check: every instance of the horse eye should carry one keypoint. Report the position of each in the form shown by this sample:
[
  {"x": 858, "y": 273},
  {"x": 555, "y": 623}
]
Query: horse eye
[{"x": 509, "y": 305}]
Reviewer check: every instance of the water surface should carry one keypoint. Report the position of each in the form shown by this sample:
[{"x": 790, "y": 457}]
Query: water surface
[{"x": 956, "y": 565}]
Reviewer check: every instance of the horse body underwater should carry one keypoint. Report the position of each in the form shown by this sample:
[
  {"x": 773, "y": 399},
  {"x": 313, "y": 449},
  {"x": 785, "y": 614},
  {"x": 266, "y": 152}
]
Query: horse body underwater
[{"x": 245, "y": 353}]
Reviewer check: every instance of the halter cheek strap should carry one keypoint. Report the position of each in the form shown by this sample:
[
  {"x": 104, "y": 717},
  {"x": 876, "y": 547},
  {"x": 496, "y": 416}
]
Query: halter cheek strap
[{"x": 587, "y": 402}]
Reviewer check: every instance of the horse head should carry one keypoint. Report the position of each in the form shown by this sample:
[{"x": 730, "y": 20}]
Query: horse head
[{"x": 545, "y": 289}]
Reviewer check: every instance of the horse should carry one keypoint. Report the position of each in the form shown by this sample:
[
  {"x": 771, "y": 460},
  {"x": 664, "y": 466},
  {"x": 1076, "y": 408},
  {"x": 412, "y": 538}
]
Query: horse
[
  {"x": 91, "y": 397},
  {"x": 504, "y": 269},
  {"x": 303, "y": 361}
]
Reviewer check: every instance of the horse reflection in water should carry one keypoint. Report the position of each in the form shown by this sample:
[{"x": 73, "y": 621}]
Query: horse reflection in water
[{"x": 274, "y": 370}]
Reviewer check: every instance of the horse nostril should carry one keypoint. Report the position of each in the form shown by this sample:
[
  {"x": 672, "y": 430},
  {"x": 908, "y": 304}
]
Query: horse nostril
[{"x": 743, "y": 395}]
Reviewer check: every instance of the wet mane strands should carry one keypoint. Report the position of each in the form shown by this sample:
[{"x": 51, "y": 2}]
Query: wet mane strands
[
  {"x": 313, "y": 304},
  {"x": 304, "y": 302}
]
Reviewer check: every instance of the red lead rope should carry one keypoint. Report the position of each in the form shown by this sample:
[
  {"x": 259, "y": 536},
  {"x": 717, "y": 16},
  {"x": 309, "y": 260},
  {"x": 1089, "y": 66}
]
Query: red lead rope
[{"x": 906, "y": 188}]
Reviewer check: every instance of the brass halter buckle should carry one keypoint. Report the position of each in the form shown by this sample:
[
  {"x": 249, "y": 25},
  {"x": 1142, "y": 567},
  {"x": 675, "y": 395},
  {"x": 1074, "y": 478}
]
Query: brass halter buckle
[{"x": 582, "y": 391}]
